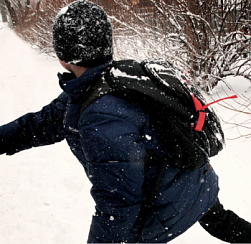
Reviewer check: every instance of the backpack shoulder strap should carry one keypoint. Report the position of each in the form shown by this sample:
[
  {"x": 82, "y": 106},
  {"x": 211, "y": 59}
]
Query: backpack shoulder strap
[
  {"x": 96, "y": 90},
  {"x": 121, "y": 78}
]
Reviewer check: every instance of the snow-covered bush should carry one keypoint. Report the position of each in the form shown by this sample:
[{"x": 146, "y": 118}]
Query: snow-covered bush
[
  {"x": 33, "y": 21},
  {"x": 210, "y": 38}
]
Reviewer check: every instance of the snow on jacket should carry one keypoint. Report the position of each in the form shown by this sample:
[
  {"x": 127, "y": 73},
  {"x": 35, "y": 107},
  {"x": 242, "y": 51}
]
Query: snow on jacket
[{"x": 112, "y": 139}]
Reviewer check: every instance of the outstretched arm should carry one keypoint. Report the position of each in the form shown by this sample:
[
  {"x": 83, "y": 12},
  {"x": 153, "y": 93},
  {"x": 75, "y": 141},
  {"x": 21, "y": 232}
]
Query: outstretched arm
[{"x": 34, "y": 129}]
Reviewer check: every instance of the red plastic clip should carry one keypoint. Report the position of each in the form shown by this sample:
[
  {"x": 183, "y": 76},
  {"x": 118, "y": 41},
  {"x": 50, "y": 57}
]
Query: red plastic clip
[{"x": 202, "y": 115}]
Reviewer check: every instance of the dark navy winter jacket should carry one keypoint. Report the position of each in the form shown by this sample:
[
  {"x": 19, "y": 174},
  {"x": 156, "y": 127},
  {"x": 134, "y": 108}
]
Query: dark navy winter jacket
[{"x": 112, "y": 139}]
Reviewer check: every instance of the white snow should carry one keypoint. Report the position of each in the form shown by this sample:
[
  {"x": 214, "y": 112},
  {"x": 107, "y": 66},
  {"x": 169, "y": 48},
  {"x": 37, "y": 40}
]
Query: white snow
[
  {"x": 44, "y": 193},
  {"x": 148, "y": 137},
  {"x": 63, "y": 10},
  {"x": 119, "y": 73}
]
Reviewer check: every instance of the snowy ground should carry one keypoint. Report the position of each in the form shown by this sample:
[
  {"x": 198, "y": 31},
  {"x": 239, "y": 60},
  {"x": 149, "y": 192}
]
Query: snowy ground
[{"x": 44, "y": 194}]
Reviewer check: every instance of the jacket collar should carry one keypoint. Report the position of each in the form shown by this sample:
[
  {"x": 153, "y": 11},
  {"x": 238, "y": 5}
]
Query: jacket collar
[{"x": 75, "y": 87}]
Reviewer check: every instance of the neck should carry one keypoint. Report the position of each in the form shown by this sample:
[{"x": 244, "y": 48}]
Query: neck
[{"x": 76, "y": 70}]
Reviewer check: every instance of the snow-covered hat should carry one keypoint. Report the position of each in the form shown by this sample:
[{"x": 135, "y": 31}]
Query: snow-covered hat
[{"x": 82, "y": 34}]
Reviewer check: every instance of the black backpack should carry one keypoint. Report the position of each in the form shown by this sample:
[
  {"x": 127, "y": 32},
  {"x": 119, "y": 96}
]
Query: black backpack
[{"x": 190, "y": 130}]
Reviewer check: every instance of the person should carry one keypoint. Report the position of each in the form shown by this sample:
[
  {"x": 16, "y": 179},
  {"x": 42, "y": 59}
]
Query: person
[{"x": 118, "y": 146}]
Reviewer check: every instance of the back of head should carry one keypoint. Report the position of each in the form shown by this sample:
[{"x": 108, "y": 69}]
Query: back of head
[{"x": 82, "y": 34}]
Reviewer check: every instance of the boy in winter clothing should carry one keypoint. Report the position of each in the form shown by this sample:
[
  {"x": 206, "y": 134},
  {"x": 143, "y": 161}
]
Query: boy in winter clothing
[{"x": 118, "y": 146}]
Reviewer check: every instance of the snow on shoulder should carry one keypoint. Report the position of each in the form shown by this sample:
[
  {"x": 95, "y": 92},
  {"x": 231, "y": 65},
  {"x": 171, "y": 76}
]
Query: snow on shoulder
[{"x": 118, "y": 73}]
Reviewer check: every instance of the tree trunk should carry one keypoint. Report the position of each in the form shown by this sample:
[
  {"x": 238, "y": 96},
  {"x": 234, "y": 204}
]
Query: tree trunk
[
  {"x": 3, "y": 11},
  {"x": 11, "y": 13}
]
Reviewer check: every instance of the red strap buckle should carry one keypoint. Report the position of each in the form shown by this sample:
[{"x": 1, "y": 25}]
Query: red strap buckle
[{"x": 202, "y": 115}]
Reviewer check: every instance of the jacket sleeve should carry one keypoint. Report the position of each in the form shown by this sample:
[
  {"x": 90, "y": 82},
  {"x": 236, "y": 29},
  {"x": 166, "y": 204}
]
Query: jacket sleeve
[
  {"x": 34, "y": 129},
  {"x": 114, "y": 148}
]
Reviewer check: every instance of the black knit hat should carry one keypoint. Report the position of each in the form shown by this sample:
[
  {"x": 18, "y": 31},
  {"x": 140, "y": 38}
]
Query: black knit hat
[{"x": 82, "y": 34}]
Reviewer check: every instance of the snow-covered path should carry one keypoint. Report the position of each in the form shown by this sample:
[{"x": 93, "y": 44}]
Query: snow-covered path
[{"x": 44, "y": 194}]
